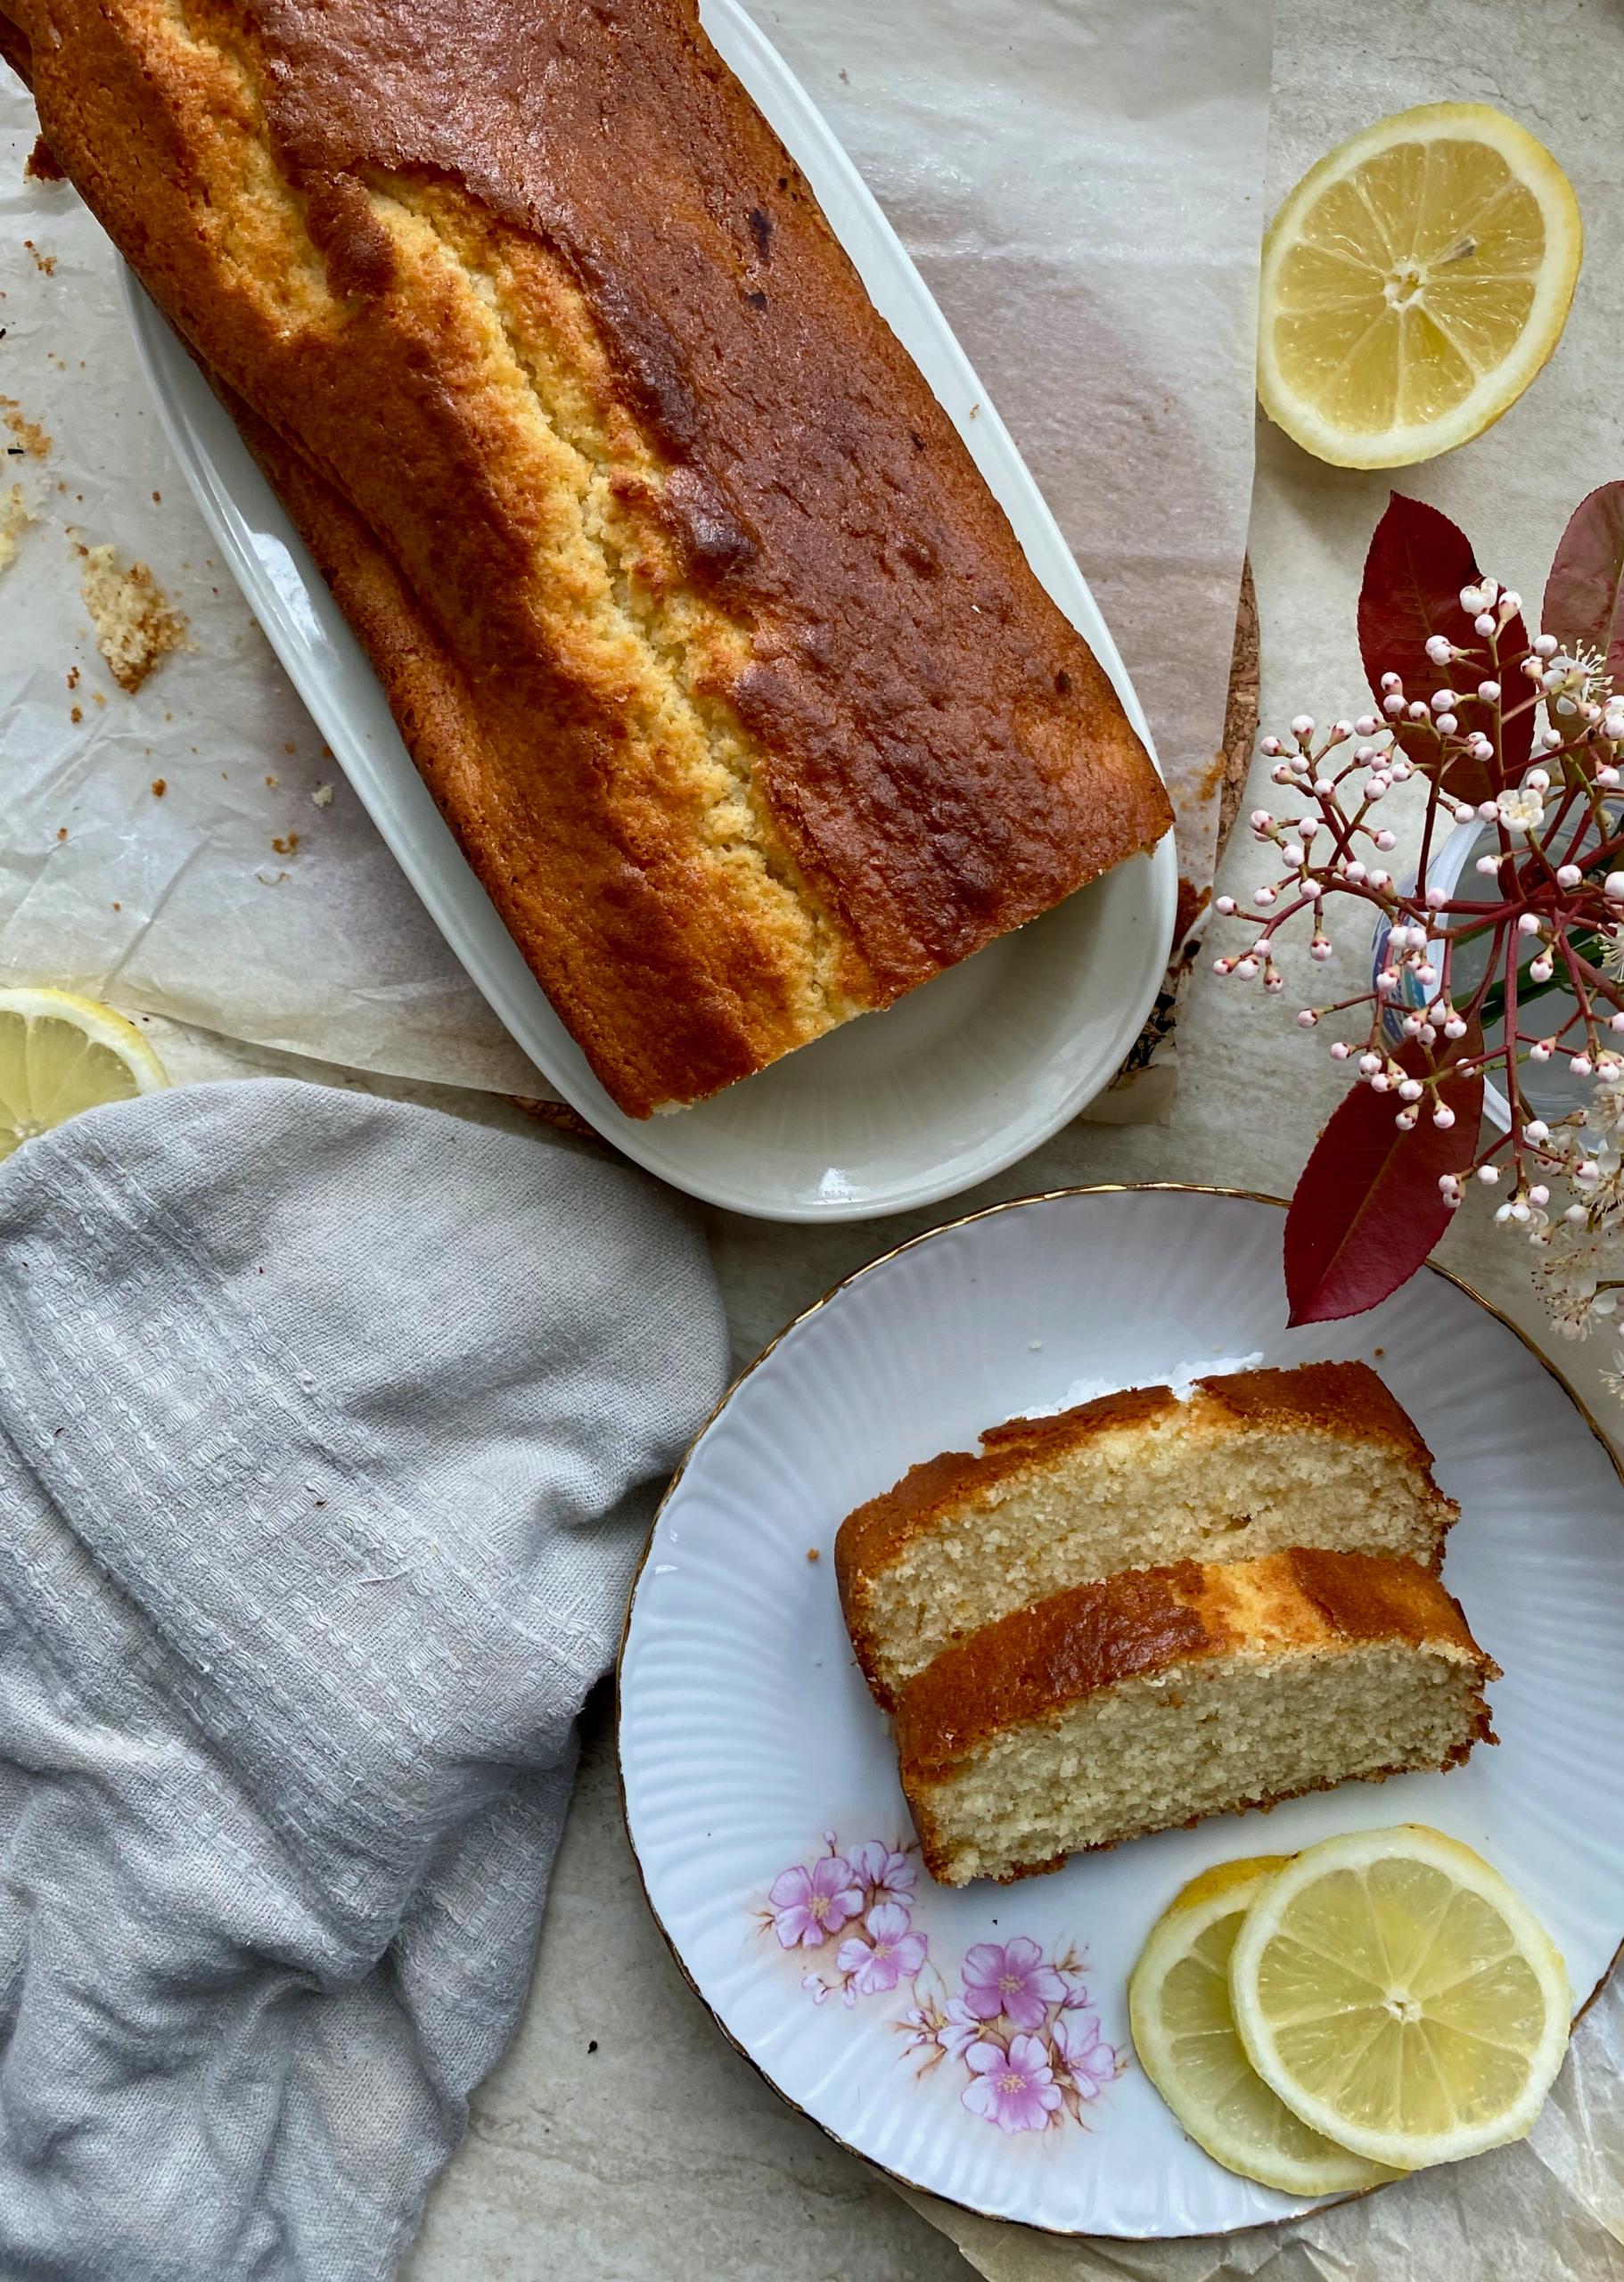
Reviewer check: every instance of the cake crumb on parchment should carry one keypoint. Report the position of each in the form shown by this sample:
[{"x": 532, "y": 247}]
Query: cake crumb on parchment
[
  {"x": 135, "y": 626},
  {"x": 15, "y": 516},
  {"x": 30, "y": 436}
]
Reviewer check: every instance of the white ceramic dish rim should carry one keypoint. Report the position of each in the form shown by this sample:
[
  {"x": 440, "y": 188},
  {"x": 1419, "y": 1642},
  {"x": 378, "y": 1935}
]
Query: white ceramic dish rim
[
  {"x": 309, "y": 637},
  {"x": 883, "y": 1259}
]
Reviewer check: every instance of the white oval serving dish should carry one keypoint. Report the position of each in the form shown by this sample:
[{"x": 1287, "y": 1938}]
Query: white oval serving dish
[{"x": 956, "y": 1081}]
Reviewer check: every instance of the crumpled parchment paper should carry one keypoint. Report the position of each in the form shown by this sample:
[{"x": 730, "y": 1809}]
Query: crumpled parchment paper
[{"x": 1080, "y": 181}]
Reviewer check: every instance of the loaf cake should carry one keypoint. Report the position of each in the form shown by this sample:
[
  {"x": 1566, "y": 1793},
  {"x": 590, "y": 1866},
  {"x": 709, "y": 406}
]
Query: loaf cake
[
  {"x": 713, "y": 646},
  {"x": 1160, "y": 1696},
  {"x": 1250, "y": 1464}
]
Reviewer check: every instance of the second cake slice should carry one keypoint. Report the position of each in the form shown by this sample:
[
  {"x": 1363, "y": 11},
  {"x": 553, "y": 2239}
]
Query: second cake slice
[
  {"x": 1164, "y": 1694},
  {"x": 1251, "y": 1464}
]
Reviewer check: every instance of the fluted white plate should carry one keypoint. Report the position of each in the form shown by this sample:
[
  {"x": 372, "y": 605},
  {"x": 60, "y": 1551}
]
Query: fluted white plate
[
  {"x": 747, "y": 1734},
  {"x": 960, "y": 1077}
]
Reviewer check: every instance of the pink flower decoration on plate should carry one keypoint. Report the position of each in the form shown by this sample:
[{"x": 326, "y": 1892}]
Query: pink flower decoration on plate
[
  {"x": 1014, "y": 2089},
  {"x": 891, "y": 1949},
  {"x": 891, "y": 1874},
  {"x": 810, "y": 1905},
  {"x": 1091, "y": 2062},
  {"x": 1010, "y": 1979},
  {"x": 961, "y": 2029}
]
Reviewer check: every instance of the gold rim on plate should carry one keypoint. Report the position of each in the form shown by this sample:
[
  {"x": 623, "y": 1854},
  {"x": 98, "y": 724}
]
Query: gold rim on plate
[{"x": 881, "y": 1260}]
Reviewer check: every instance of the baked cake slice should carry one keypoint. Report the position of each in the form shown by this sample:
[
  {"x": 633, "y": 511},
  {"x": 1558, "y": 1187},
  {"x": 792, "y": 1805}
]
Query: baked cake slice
[
  {"x": 1162, "y": 1696},
  {"x": 1252, "y": 1463}
]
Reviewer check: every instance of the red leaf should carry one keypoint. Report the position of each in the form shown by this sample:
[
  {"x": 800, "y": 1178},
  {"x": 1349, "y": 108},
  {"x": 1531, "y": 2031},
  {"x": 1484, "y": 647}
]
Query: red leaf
[
  {"x": 1367, "y": 1209},
  {"x": 1418, "y": 563},
  {"x": 1584, "y": 596}
]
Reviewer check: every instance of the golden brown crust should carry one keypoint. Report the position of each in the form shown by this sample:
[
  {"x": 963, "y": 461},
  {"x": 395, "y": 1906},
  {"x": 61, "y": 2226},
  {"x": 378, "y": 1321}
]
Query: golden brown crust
[
  {"x": 1347, "y": 1400},
  {"x": 716, "y": 652},
  {"x": 1030, "y": 1666}
]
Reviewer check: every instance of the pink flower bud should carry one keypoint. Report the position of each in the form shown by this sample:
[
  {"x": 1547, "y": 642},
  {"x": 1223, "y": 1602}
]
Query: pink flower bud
[
  {"x": 1569, "y": 875},
  {"x": 1341, "y": 1050},
  {"x": 1580, "y": 1065},
  {"x": 1545, "y": 646},
  {"x": 1369, "y": 1063},
  {"x": 1303, "y": 725},
  {"x": 1307, "y": 1019},
  {"x": 1485, "y": 625},
  {"x": 1447, "y": 725},
  {"x": 1540, "y": 1193},
  {"x": 1612, "y": 887},
  {"x": 1381, "y": 1082},
  {"x": 1386, "y": 841},
  {"x": 1392, "y": 704},
  {"x": 1527, "y": 924},
  {"x": 1416, "y": 710},
  {"x": 1411, "y": 1090},
  {"x": 1226, "y": 907},
  {"x": 1443, "y": 1116}
]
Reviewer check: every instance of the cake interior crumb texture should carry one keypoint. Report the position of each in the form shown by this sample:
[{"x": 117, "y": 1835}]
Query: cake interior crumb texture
[
  {"x": 134, "y": 624},
  {"x": 1317, "y": 1457},
  {"x": 1206, "y": 1739}
]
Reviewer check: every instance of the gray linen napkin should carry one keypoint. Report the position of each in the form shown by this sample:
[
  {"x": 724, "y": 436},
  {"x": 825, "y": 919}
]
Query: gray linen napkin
[{"x": 329, "y": 1433}]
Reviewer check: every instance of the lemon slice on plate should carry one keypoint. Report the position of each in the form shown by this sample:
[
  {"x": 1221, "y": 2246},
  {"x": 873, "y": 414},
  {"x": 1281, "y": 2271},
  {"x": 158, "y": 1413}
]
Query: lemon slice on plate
[
  {"x": 1399, "y": 1997},
  {"x": 60, "y": 1054},
  {"x": 1413, "y": 284},
  {"x": 1185, "y": 2037}
]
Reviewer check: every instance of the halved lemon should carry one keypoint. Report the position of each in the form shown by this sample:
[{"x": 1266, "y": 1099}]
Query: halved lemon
[
  {"x": 60, "y": 1054},
  {"x": 1185, "y": 2037},
  {"x": 1400, "y": 1997},
  {"x": 1413, "y": 284}
]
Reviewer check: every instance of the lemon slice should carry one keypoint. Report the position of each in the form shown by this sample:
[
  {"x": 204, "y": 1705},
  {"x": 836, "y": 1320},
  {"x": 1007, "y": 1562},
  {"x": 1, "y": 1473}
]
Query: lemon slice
[
  {"x": 1413, "y": 284},
  {"x": 1399, "y": 1997},
  {"x": 60, "y": 1054},
  {"x": 1185, "y": 2034}
]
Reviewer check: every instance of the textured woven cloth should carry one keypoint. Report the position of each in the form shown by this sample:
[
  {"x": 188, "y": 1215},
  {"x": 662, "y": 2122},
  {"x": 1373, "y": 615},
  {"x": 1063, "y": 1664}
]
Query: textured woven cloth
[{"x": 329, "y": 1434}]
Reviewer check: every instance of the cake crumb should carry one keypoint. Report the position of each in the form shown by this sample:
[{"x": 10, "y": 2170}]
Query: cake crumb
[
  {"x": 73, "y": 677},
  {"x": 15, "y": 516},
  {"x": 46, "y": 263},
  {"x": 323, "y": 796},
  {"x": 135, "y": 627},
  {"x": 160, "y": 785},
  {"x": 813, "y": 1553},
  {"x": 30, "y": 436},
  {"x": 75, "y": 714},
  {"x": 61, "y": 831},
  {"x": 42, "y": 163},
  {"x": 290, "y": 749},
  {"x": 286, "y": 847}
]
